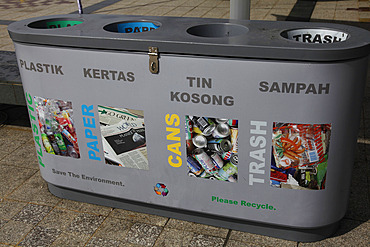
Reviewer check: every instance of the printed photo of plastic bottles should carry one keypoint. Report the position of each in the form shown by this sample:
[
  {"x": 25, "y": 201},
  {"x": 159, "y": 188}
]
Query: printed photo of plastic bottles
[
  {"x": 58, "y": 133},
  {"x": 212, "y": 148}
]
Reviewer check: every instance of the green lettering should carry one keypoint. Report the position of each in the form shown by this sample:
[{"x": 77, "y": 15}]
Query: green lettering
[
  {"x": 40, "y": 161},
  {"x": 29, "y": 98}
]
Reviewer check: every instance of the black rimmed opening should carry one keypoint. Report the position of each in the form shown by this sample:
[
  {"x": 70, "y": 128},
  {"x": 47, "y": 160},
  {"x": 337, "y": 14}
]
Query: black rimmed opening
[
  {"x": 315, "y": 35},
  {"x": 217, "y": 30},
  {"x": 132, "y": 26},
  {"x": 55, "y": 23}
]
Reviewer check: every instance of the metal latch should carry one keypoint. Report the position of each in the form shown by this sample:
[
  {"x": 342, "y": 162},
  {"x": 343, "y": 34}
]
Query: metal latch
[{"x": 153, "y": 60}]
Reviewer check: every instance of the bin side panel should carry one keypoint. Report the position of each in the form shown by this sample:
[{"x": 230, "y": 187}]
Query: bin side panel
[{"x": 321, "y": 99}]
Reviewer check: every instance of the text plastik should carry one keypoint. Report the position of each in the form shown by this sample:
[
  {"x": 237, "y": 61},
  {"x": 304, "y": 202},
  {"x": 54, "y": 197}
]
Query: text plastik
[{"x": 41, "y": 67}]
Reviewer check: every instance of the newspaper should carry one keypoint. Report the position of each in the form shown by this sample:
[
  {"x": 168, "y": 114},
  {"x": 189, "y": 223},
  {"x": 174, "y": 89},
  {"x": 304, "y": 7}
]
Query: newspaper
[{"x": 123, "y": 135}]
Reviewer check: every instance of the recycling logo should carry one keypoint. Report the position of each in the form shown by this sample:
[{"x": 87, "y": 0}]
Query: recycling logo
[{"x": 161, "y": 189}]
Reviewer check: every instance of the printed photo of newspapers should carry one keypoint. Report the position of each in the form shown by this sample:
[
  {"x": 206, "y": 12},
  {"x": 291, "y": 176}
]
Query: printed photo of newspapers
[
  {"x": 123, "y": 137},
  {"x": 299, "y": 155}
]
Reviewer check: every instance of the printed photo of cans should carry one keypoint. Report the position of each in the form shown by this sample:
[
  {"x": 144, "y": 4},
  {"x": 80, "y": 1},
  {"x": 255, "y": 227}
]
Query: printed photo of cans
[
  {"x": 58, "y": 133},
  {"x": 299, "y": 155},
  {"x": 212, "y": 148}
]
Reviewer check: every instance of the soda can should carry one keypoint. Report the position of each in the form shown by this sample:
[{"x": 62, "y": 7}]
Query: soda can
[
  {"x": 191, "y": 174},
  {"x": 234, "y": 140},
  {"x": 204, "y": 160},
  {"x": 226, "y": 155},
  {"x": 194, "y": 166},
  {"x": 228, "y": 170},
  {"x": 188, "y": 128},
  {"x": 219, "y": 177},
  {"x": 217, "y": 161},
  {"x": 232, "y": 122},
  {"x": 204, "y": 174},
  {"x": 221, "y": 131},
  {"x": 217, "y": 140},
  {"x": 221, "y": 120},
  {"x": 232, "y": 178},
  {"x": 189, "y": 146},
  {"x": 234, "y": 159},
  {"x": 206, "y": 125},
  {"x": 200, "y": 141},
  {"x": 196, "y": 130},
  {"x": 221, "y": 146}
]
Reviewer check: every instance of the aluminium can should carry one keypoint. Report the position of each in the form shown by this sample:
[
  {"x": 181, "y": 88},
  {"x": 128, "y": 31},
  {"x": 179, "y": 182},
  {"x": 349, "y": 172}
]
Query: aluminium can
[
  {"x": 188, "y": 128},
  {"x": 226, "y": 155},
  {"x": 234, "y": 159},
  {"x": 200, "y": 141},
  {"x": 232, "y": 122},
  {"x": 194, "y": 165},
  {"x": 234, "y": 139},
  {"x": 217, "y": 161},
  {"x": 191, "y": 174},
  {"x": 206, "y": 125},
  {"x": 196, "y": 130},
  {"x": 221, "y": 131},
  {"x": 204, "y": 160},
  {"x": 228, "y": 170},
  {"x": 221, "y": 120},
  {"x": 233, "y": 178},
  {"x": 221, "y": 146}
]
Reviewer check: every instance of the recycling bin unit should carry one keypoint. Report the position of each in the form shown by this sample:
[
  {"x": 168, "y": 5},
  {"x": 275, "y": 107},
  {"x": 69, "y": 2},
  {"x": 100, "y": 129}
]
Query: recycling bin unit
[{"x": 249, "y": 125}]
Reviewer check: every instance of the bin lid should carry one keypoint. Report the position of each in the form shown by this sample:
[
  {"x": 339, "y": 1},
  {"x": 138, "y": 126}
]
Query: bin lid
[{"x": 303, "y": 41}]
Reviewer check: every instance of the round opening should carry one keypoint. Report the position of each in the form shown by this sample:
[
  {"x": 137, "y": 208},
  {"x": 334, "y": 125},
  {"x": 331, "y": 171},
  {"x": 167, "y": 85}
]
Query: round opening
[
  {"x": 55, "y": 23},
  {"x": 318, "y": 36},
  {"x": 132, "y": 26},
  {"x": 218, "y": 30}
]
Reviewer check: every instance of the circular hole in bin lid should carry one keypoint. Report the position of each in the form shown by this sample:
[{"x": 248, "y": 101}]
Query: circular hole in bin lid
[
  {"x": 55, "y": 23},
  {"x": 217, "y": 30},
  {"x": 314, "y": 35},
  {"x": 132, "y": 26}
]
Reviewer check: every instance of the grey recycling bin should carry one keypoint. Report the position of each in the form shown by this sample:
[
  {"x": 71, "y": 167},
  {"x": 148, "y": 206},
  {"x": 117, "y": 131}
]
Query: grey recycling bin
[{"x": 249, "y": 125}]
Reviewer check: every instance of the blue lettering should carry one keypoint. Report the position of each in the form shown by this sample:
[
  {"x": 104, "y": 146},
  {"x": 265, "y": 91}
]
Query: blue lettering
[
  {"x": 93, "y": 156},
  {"x": 89, "y": 124},
  {"x": 86, "y": 110},
  {"x": 89, "y": 134},
  {"x": 93, "y": 145}
]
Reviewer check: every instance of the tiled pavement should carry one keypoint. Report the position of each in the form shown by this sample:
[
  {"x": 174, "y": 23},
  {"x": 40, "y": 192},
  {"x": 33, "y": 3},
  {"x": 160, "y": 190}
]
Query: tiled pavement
[{"x": 31, "y": 216}]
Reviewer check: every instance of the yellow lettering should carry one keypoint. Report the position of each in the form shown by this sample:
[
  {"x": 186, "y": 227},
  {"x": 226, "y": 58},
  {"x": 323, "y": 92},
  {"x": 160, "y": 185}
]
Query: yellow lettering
[
  {"x": 170, "y": 161},
  {"x": 172, "y": 136},
  {"x": 175, "y": 148},
  {"x": 172, "y": 119}
]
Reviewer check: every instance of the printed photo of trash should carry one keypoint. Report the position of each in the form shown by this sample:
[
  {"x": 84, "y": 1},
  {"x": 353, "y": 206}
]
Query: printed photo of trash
[
  {"x": 58, "y": 133},
  {"x": 123, "y": 136},
  {"x": 212, "y": 148},
  {"x": 299, "y": 155}
]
